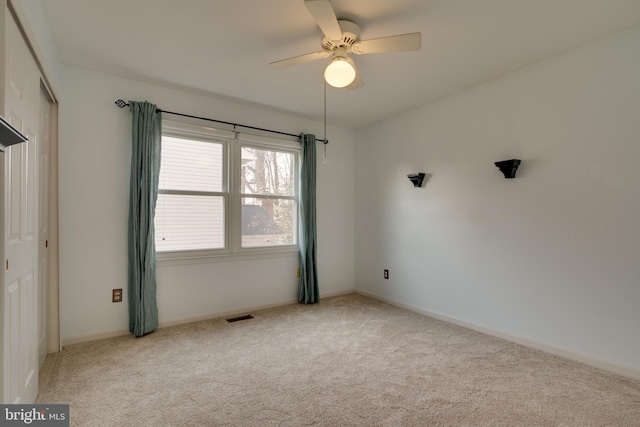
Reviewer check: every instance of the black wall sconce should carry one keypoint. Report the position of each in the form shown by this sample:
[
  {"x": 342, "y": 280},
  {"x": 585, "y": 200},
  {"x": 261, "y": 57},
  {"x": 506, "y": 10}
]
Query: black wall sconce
[
  {"x": 416, "y": 178},
  {"x": 508, "y": 167}
]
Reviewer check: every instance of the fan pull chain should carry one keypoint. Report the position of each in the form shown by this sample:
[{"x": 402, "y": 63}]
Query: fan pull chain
[{"x": 324, "y": 159}]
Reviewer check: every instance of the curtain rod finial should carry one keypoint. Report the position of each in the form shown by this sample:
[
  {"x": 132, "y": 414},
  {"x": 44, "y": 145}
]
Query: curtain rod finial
[{"x": 120, "y": 103}]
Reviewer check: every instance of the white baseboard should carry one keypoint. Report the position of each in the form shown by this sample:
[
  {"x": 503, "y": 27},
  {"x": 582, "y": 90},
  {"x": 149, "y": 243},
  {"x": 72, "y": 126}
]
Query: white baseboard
[
  {"x": 77, "y": 339},
  {"x": 219, "y": 315},
  {"x": 587, "y": 359},
  {"x": 116, "y": 333}
]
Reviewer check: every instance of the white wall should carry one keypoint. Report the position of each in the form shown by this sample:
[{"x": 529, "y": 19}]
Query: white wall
[
  {"x": 34, "y": 22},
  {"x": 94, "y": 174},
  {"x": 551, "y": 256}
]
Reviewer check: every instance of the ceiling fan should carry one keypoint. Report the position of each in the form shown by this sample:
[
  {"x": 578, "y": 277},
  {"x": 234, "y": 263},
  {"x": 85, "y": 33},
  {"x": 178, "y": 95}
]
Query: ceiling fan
[{"x": 342, "y": 37}]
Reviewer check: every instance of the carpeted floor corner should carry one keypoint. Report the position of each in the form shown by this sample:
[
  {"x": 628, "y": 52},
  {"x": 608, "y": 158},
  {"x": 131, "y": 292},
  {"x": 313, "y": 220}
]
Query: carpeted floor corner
[{"x": 349, "y": 361}]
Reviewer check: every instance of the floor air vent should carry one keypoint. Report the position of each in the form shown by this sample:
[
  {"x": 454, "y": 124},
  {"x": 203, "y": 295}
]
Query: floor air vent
[{"x": 236, "y": 319}]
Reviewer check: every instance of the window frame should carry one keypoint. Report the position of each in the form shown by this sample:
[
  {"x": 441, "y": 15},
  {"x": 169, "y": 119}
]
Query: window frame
[{"x": 233, "y": 141}]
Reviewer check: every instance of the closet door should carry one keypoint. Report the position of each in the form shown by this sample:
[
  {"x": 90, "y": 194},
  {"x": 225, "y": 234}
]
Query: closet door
[{"x": 20, "y": 323}]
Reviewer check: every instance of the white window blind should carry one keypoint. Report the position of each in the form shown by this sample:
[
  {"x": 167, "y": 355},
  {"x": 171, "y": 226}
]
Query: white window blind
[{"x": 190, "y": 211}]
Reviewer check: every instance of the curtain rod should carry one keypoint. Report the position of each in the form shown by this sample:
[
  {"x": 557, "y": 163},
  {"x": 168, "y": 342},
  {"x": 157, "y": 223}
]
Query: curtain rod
[{"x": 121, "y": 104}]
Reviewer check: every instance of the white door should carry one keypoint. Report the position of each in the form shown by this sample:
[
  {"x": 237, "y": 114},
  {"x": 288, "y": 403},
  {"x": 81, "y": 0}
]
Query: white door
[
  {"x": 43, "y": 223},
  {"x": 20, "y": 323}
]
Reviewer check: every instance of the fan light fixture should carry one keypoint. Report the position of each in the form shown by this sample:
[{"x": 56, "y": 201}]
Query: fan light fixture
[
  {"x": 340, "y": 72},
  {"x": 342, "y": 37}
]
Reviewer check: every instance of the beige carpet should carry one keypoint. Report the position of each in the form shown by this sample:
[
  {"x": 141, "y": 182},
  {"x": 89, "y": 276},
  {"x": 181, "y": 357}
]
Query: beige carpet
[{"x": 349, "y": 361}]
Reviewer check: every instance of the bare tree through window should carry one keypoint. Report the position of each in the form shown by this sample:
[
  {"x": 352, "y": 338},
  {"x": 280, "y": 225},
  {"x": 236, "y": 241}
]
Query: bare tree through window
[{"x": 268, "y": 197}]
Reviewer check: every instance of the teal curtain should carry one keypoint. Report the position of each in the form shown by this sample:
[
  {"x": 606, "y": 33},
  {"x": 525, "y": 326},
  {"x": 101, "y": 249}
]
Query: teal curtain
[
  {"x": 309, "y": 293},
  {"x": 145, "y": 169}
]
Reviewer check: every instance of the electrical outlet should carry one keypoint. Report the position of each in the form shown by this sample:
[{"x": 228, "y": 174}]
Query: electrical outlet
[
  {"x": 116, "y": 295},
  {"x": 386, "y": 274}
]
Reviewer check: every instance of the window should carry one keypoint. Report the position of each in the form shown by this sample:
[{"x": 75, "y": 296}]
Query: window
[
  {"x": 221, "y": 194},
  {"x": 268, "y": 192},
  {"x": 190, "y": 211}
]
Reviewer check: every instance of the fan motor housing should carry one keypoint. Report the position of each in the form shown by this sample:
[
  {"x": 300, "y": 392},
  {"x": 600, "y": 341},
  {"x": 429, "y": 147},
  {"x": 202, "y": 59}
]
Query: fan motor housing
[{"x": 350, "y": 35}]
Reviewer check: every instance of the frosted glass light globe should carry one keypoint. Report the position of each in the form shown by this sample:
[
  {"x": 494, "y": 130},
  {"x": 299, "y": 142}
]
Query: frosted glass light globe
[{"x": 339, "y": 73}]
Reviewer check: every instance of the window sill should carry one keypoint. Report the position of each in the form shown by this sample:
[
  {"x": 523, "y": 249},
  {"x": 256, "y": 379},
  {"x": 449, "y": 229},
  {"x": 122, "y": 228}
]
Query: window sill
[{"x": 169, "y": 259}]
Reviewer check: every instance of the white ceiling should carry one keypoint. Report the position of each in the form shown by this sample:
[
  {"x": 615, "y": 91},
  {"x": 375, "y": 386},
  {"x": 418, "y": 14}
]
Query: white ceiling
[{"x": 223, "y": 47}]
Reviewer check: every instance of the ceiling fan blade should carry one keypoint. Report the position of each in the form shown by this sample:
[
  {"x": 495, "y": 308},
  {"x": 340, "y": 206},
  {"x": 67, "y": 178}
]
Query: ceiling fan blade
[
  {"x": 357, "y": 82},
  {"x": 399, "y": 43},
  {"x": 289, "y": 62},
  {"x": 325, "y": 17}
]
